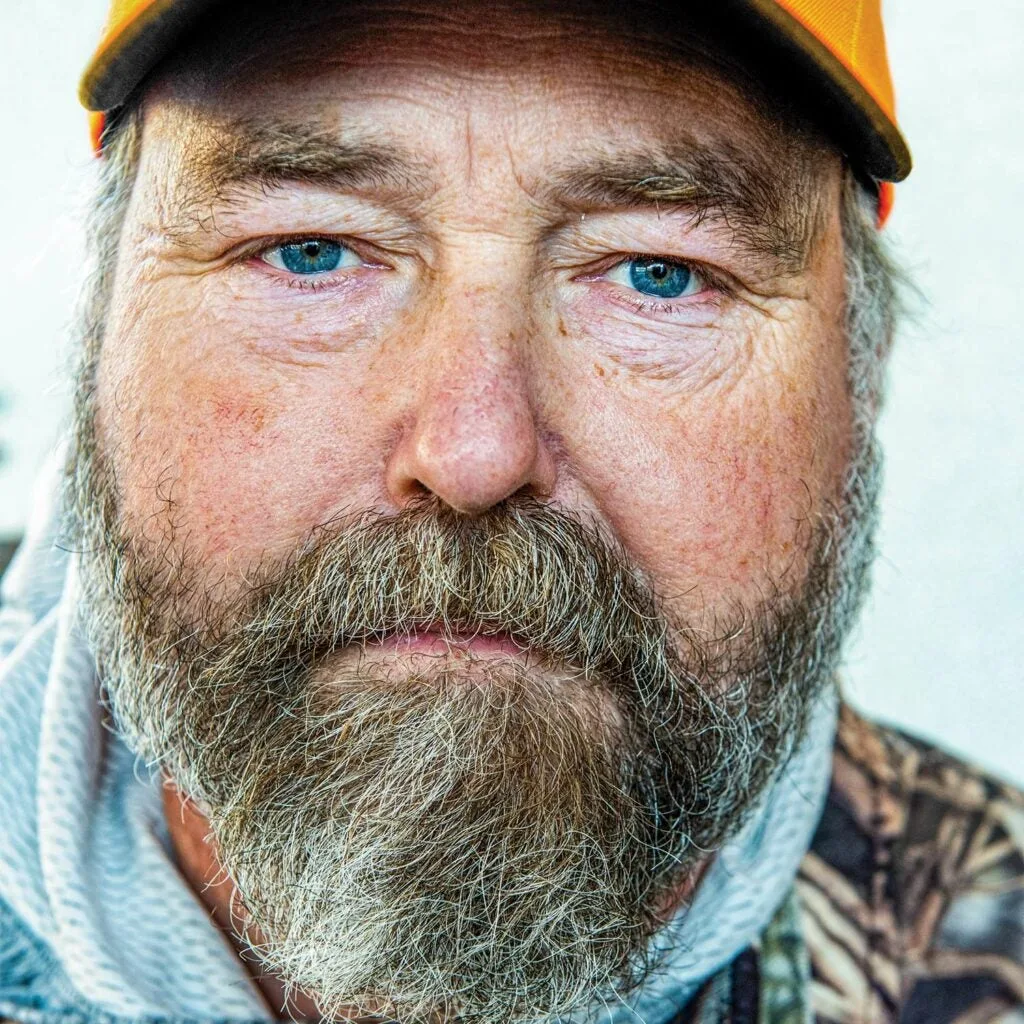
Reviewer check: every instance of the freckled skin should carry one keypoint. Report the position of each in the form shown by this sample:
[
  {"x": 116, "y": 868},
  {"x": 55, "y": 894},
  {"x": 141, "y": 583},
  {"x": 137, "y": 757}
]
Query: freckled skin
[{"x": 474, "y": 368}]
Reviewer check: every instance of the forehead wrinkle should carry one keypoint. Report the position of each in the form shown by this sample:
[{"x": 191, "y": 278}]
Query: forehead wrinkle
[{"x": 221, "y": 163}]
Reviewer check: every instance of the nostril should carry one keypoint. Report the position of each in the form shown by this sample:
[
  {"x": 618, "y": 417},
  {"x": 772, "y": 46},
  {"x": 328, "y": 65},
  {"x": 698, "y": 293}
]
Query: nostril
[{"x": 410, "y": 489}]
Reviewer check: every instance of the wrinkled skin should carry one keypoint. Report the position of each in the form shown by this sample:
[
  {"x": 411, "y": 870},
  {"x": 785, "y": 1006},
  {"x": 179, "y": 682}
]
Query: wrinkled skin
[
  {"x": 476, "y": 353},
  {"x": 481, "y": 343}
]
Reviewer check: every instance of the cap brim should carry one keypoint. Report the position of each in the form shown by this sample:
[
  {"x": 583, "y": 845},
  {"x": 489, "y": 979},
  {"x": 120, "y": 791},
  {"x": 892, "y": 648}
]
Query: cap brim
[
  {"x": 845, "y": 109},
  {"x": 794, "y": 59},
  {"x": 131, "y": 49}
]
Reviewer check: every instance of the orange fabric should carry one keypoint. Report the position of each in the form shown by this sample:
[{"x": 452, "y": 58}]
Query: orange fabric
[
  {"x": 853, "y": 31},
  {"x": 97, "y": 122},
  {"x": 124, "y": 10},
  {"x": 122, "y": 14},
  {"x": 886, "y": 197}
]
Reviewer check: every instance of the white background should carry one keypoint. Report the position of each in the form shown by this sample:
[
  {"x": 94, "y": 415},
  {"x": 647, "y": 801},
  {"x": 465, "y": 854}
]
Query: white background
[{"x": 939, "y": 646}]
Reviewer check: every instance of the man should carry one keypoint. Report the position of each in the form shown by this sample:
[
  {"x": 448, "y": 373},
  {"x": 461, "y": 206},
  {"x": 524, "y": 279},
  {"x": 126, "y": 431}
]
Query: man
[{"x": 471, "y": 486}]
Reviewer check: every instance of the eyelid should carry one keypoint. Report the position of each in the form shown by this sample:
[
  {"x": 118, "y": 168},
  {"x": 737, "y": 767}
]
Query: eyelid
[
  {"x": 254, "y": 248},
  {"x": 713, "y": 278}
]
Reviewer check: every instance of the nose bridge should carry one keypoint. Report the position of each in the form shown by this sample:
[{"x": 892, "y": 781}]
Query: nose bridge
[
  {"x": 472, "y": 439},
  {"x": 476, "y": 326},
  {"x": 473, "y": 377}
]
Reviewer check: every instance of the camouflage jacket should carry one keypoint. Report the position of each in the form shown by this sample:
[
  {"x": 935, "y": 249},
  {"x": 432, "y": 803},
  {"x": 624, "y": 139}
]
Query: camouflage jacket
[{"x": 908, "y": 909}]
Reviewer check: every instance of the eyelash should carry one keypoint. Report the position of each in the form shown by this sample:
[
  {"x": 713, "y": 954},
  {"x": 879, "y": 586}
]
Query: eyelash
[
  {"x": 307, "y": 284},
  {"x": 647, "y": 307}
]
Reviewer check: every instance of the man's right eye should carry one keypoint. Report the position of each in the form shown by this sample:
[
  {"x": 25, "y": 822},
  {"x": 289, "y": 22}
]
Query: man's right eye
[{"x": 310, "y": 256}]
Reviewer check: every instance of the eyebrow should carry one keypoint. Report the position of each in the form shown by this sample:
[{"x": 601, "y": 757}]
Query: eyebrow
[
  {"x": 774, "y": 213},
  {"x": 231, "y": 161}
]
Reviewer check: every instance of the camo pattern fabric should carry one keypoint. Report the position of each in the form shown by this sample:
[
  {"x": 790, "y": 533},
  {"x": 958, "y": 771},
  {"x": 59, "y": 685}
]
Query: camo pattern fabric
[{"x": 909, "y": 908}]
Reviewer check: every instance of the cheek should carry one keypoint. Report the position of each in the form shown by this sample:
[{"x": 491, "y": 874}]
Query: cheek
[
  {"x": 231, "y": 455},
  {"x": 716, "y": 492}
]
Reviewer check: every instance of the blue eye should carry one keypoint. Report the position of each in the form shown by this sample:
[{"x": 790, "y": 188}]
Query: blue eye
[
  {"x": 310, "y": 256},
  {"x": 660, "y": 278},
  {"x": 316, "y": 256}
]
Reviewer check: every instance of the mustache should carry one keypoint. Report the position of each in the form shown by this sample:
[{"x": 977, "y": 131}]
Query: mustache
[
  {"x": 545, "y": 578},
  {"x": 708, "y": 711}
]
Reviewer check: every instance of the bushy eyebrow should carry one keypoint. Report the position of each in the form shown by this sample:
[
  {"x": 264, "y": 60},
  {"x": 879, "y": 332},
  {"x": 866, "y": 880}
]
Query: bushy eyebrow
[
  {"x": 772, "y": 212},
  {"x": 226, "y": 163}
]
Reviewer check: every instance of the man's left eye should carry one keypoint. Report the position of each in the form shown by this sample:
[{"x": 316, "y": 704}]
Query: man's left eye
[
  {"x": 659, "y": 278},
  {"x": 310, "y": 256}
]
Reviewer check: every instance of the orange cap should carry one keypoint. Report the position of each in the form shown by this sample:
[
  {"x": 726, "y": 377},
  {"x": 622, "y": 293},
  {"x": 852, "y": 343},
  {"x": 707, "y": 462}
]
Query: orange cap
[{"x": 836, "y": 48}]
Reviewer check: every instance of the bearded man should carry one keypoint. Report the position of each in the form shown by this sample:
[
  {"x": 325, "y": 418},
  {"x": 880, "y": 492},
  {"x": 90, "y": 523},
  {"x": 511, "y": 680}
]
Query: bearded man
[{"x": 435, "y": 614}]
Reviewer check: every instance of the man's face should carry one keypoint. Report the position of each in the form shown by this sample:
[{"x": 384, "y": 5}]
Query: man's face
[
  {"x": 482, "y": 335},
  {"x": 412, "y": 292}
]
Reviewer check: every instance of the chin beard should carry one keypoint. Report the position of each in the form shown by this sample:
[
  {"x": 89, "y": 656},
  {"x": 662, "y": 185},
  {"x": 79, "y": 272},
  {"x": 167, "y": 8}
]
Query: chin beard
[{"x": 491, "y": 841}]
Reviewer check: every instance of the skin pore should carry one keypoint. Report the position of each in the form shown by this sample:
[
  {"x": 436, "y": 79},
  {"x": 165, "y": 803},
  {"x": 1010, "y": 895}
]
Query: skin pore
[{"x": 492, "y": 176}]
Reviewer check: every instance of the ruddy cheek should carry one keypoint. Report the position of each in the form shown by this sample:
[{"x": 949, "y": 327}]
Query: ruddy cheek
[
  {"x": 710, "y": 490},
  {"x": 243, "y": 481}
]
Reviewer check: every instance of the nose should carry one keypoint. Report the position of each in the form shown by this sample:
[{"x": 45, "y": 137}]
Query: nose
[{"x": 473, "y": 438}]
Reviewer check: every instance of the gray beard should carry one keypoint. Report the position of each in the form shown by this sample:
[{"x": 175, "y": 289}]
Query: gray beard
[{"x": 492, "y": 841}]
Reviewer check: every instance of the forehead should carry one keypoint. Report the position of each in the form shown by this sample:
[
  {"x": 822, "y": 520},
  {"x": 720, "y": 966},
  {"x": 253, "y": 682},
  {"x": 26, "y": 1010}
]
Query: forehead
[
  {"x": 533, "y": 74},
  {"x": 554, "y": 37}
]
